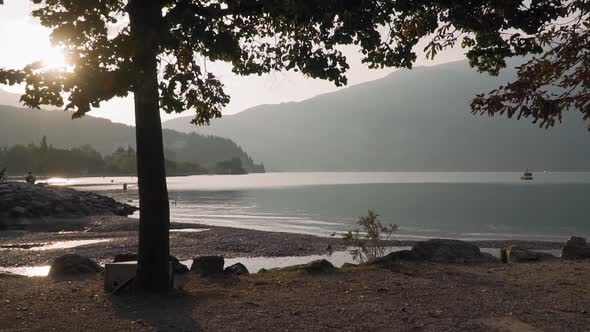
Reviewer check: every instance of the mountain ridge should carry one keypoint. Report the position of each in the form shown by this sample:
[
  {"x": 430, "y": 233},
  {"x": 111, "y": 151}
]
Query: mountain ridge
[{"x": 409, "y": 120}]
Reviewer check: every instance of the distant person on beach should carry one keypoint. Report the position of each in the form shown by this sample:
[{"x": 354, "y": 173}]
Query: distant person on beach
[
  {"x": 30, "y": 178},
  {"x": 3, "y": 175}
]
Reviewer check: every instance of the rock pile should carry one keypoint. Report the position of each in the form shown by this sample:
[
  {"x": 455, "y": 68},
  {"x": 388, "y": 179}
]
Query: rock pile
[{"x": 23, "y": 200}]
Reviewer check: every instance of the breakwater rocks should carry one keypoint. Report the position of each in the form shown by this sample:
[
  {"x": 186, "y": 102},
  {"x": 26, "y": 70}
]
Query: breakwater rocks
[{"x": 23, "y": 204}]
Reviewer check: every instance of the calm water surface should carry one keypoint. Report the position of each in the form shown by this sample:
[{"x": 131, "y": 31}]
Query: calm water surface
[{"x": 457, "y": 205}]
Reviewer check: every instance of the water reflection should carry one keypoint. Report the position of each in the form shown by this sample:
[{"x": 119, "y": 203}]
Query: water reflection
[
  {"x": 55, "y": 245},
  {"x": 472, "y": 206},
  {"x": 189, "y": 230},
  {"x": 29, "y": 271},
  {"x": 254, "y": 264}
]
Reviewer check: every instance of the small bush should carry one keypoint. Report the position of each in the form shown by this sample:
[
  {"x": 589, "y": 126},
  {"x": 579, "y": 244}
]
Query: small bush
[{"x": 368, "y": 239}]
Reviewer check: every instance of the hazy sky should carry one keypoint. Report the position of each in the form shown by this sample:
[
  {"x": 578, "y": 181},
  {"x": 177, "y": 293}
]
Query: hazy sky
[{"x": 23, "y": 40}]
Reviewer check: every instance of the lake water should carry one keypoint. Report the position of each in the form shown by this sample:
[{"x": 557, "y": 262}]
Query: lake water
[{"x": 455, "y": 205}]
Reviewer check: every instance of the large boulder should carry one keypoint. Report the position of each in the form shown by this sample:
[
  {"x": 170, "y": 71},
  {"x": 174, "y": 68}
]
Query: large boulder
[
  {"x": 208, "y": 265},
  {"x": 320, "y": 266},
  {"x": 177, "y": 266},
  {"x": 396, "y": 257},
  {"x": 73, "y": 265},
  {"x": 517, "y": 254},
  {"x": 237, "y": 269},
  {"x": 450, "y": 251},
  {"x": 575, "y": 248}
]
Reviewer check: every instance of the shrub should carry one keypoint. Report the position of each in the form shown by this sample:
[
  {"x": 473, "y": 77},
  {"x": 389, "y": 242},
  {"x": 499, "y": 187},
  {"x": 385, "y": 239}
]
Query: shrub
[{"x": 368, "y": 240}]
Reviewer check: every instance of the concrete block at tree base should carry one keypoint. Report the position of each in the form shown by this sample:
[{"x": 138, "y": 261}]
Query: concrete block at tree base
[
  {"x": 117, "y": 274},
  {"x": 120, "y": 274},
  {"x": 177, "y": 266}
]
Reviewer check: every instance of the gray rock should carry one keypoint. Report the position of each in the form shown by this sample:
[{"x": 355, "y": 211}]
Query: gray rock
[
  {"x": 450, "y": 251},
  {"x": 125, "y": 257},
  {"x": 177, "y": 266},
  {"x": 208, "y": 265},
  {"x": 73, "y": 265},
  {"x": 320, "y": 266},
  {"x": 396, "y": 257},
  {"x": 575, "y": 248},
  {"x": 237, "y": 269},
  {"x": 516, "y": 254}
]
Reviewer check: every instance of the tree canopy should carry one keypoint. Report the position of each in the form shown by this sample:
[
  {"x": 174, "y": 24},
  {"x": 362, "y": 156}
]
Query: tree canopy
[
  {"x": 260, "y": 36},
  {"x": 556, "y": 81}
]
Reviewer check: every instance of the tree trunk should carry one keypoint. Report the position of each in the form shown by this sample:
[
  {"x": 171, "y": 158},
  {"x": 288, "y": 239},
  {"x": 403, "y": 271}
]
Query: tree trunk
[{"x": 153, "y": 269}]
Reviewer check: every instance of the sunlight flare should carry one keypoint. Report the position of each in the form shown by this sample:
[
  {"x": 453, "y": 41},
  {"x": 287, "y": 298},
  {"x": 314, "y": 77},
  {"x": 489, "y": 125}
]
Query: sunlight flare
[{"x": 53, "y": 58}]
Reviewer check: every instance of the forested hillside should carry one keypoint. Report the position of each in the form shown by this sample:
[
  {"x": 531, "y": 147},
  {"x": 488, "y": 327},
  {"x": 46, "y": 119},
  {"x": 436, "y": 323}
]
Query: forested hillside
[
  {"x": 25, "y": 126},
  {"x": 47, "y": 160}
]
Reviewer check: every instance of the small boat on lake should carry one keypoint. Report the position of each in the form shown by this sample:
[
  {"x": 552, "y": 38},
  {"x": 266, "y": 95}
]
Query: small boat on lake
[{"x": 527, "y": 175}]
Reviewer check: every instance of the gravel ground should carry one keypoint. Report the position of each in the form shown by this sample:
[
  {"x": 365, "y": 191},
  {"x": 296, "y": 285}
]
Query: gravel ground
[
  {"x": 224, "y": 241},
  {"x": 548, "y": 296}
]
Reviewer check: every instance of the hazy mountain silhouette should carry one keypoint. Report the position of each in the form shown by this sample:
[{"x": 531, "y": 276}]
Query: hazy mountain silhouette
[
  {"x": 10, "y": 99},
  {"x": 414, "y": 120},
  {"x": 24, "y": 126}
]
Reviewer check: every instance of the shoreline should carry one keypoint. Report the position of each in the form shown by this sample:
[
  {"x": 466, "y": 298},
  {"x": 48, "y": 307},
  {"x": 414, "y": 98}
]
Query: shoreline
[
  {"x": 228, "y": 242},
  {"x": 410, "y": 296}
]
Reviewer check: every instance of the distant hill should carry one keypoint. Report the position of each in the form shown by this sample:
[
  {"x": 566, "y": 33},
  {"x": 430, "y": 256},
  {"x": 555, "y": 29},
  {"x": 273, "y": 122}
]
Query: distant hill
[
  {"x": 10, "y": 99},
  {"x": 411, "y": 120},
  {"x": 23, "y": 126}
]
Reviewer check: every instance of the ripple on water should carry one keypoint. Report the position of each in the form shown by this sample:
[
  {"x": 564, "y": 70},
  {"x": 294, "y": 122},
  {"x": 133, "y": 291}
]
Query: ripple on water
[
  {"x": 68, "y": 244},
  {"x": 189, "y": 230}
]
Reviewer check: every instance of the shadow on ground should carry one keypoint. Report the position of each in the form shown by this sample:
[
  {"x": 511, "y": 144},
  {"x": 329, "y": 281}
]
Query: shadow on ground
[{"x": 159, "y": 312}]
